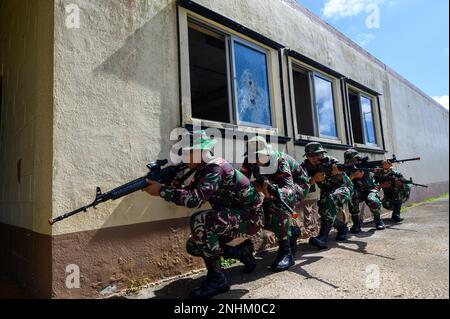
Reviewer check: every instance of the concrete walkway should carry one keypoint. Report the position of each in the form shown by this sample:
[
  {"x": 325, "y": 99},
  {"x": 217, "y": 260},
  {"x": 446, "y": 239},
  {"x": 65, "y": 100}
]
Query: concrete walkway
[{"x": 407, "y": 260}]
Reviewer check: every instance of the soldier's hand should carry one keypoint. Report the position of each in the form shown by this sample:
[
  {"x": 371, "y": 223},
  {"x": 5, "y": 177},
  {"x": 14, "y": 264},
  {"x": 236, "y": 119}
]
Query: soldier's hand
[
  {"x": 398, "y": 183},
  {"x": 319, "y": 177},
  {"x": 153, "y": 188},
  {"x": 335, "y": 170},
  {"x": 264, "y": 189},
  {"x": 387, "y": 165},
  {"x": 357, "y": 175},
  {"x": 385, "y": 185}
]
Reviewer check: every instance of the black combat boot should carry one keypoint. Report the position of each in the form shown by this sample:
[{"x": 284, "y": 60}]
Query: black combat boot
[
  {"x": 243, "y": 253},
  {"x": 396, "y": 213},
  {"x": 342, "y": 230},
  {"x": 295, "y": 235},
  {"x": 321, "y": 241},
  {"x": 284, "y": 259},
  {"x": 215, "y": 283},
  {"x": 379, "y": 224},
  {"x": 356, "y": 228}
]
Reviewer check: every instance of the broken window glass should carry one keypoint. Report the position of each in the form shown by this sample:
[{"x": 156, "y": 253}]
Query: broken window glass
[{"x": 252, "y": 87}]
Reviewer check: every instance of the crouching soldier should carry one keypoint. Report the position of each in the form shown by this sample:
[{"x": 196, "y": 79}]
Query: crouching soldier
[
  {"x": 236, "y": 212},
  {"x": 365, "y": 189},
  {"x": 287, "y": 174},
  {"x": 335, "y": 191},
  {"x": 396, "y": 193}
]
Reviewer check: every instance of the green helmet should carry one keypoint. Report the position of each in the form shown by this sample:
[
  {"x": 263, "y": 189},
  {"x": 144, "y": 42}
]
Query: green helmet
[
  {"x": 259, "y": 145},
  {"x": 314, "y": 148},
  {"x": 200, "y": 141},
  {"x": 350, "y": 154}
]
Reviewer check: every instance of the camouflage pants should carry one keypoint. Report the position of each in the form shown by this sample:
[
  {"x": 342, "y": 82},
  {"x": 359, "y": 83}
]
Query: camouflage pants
[
  {"x": 212, "y": 229},
  {"x": 331, "y": 202},
  {"x": 277, "y": 220},
  {"x": 371, "y": 198},
  {"x": 396, "y": 197}
]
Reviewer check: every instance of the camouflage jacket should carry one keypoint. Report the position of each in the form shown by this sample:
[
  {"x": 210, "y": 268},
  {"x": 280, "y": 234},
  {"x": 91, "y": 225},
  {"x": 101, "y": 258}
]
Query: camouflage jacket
[
  {"x": 290, "y": 177},
  {"x": 331, "y": 183},
  {"x": 218, "y": 183},
  {"x": 365, "y": 184},
  {"x": 392, "y": 175}
]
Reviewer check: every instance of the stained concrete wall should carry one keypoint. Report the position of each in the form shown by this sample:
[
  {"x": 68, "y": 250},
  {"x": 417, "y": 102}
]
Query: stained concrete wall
[
  {"x": 116, "y": 102},
  {"x": 26, "y": 66}
]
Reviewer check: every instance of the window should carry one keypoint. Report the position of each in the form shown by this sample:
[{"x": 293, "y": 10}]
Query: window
[
  {"x": 252, "y": 86},
  {"x": 325, "y": 107},
  {"x": 209, "y": 76},
  {"x": 314, "y": 104},
  {"x": 362, "y": 118},
  {"x": 228, "y": 78}
]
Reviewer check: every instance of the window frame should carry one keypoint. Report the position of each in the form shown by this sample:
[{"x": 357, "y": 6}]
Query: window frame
[
  {"x": 375, "y": 117},
  {"x": 201, "y": 26},
  {"x": 340, "y": 122},
  {"x": 185, "y": 17},
  {"x": 237, "y": 121}
]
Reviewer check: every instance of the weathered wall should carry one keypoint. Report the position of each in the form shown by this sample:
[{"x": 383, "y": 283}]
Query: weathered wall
[
  {"x": 116, "y": 102},
  {"x": 26, "y": 65}
]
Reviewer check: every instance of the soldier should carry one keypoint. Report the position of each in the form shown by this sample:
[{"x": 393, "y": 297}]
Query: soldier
[
  {"x": 335, "y": 191},
  {"x": 236, "y": 211},
  {"x": 365, "y": 189},
  {"x": 293, "y": 185},
  {"x": 396, "y": 193}
]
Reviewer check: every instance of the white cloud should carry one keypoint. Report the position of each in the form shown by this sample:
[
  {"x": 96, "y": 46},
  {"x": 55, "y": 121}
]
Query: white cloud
[
  {"x": 346, "y": 8},
  {"x": 364, "y": 39},
  {"x": 442, "y": 100}
]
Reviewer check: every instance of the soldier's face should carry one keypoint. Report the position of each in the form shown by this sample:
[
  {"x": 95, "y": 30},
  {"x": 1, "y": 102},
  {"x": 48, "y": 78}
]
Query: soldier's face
[
  {"x": 314, "y": 159},
  {"x": 262, "y": 160},
  {"x": 193, "y": 159}
]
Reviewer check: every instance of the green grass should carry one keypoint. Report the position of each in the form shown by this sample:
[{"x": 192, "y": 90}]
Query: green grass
[
  {"x": 134, "y": 286},
  {"x": 428, "y": 200},
  {"x": 225, "y": 263}
]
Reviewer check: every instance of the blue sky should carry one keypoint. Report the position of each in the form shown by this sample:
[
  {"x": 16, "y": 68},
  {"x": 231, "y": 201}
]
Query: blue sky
[{"x": 411, "y": 36}]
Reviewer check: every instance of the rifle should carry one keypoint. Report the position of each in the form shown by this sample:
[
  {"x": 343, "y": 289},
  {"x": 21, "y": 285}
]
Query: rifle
[
  {"x": 393, "y": 179},
  {"x": 366, "y": 164},
  {"x": 159, "y": 173},
  {"x": 275, "y": 192},
  {"x": 326, "y": 166}
]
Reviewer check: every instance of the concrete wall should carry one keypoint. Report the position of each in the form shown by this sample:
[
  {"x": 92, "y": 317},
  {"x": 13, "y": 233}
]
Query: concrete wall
[
  {"x": 26, "y": 66},
  {"x": 115, "y": 96}
]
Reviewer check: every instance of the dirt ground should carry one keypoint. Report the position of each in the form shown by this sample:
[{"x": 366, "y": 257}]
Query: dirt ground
[{"x": 407, "y": 260}]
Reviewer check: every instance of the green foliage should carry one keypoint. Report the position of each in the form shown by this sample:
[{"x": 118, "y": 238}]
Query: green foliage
[{"x": 225, "y": 263}]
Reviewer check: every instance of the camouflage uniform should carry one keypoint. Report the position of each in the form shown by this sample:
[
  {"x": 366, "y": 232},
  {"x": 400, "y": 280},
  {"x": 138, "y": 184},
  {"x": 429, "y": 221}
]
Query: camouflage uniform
[
  {"x": 334, "y": 192},
  {"x": 365, "y": 189},
  {"x": 395, "y": 195},
  {"x": 236, "y": 207},
  {"x": 293, "y": 185}
]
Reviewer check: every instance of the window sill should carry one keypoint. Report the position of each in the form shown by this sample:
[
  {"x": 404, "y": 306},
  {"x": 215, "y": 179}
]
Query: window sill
[
  {"x": 327, "y": 143},
  {"x": 240, "y": 130},
  {"x": 369, "y": 149}
]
